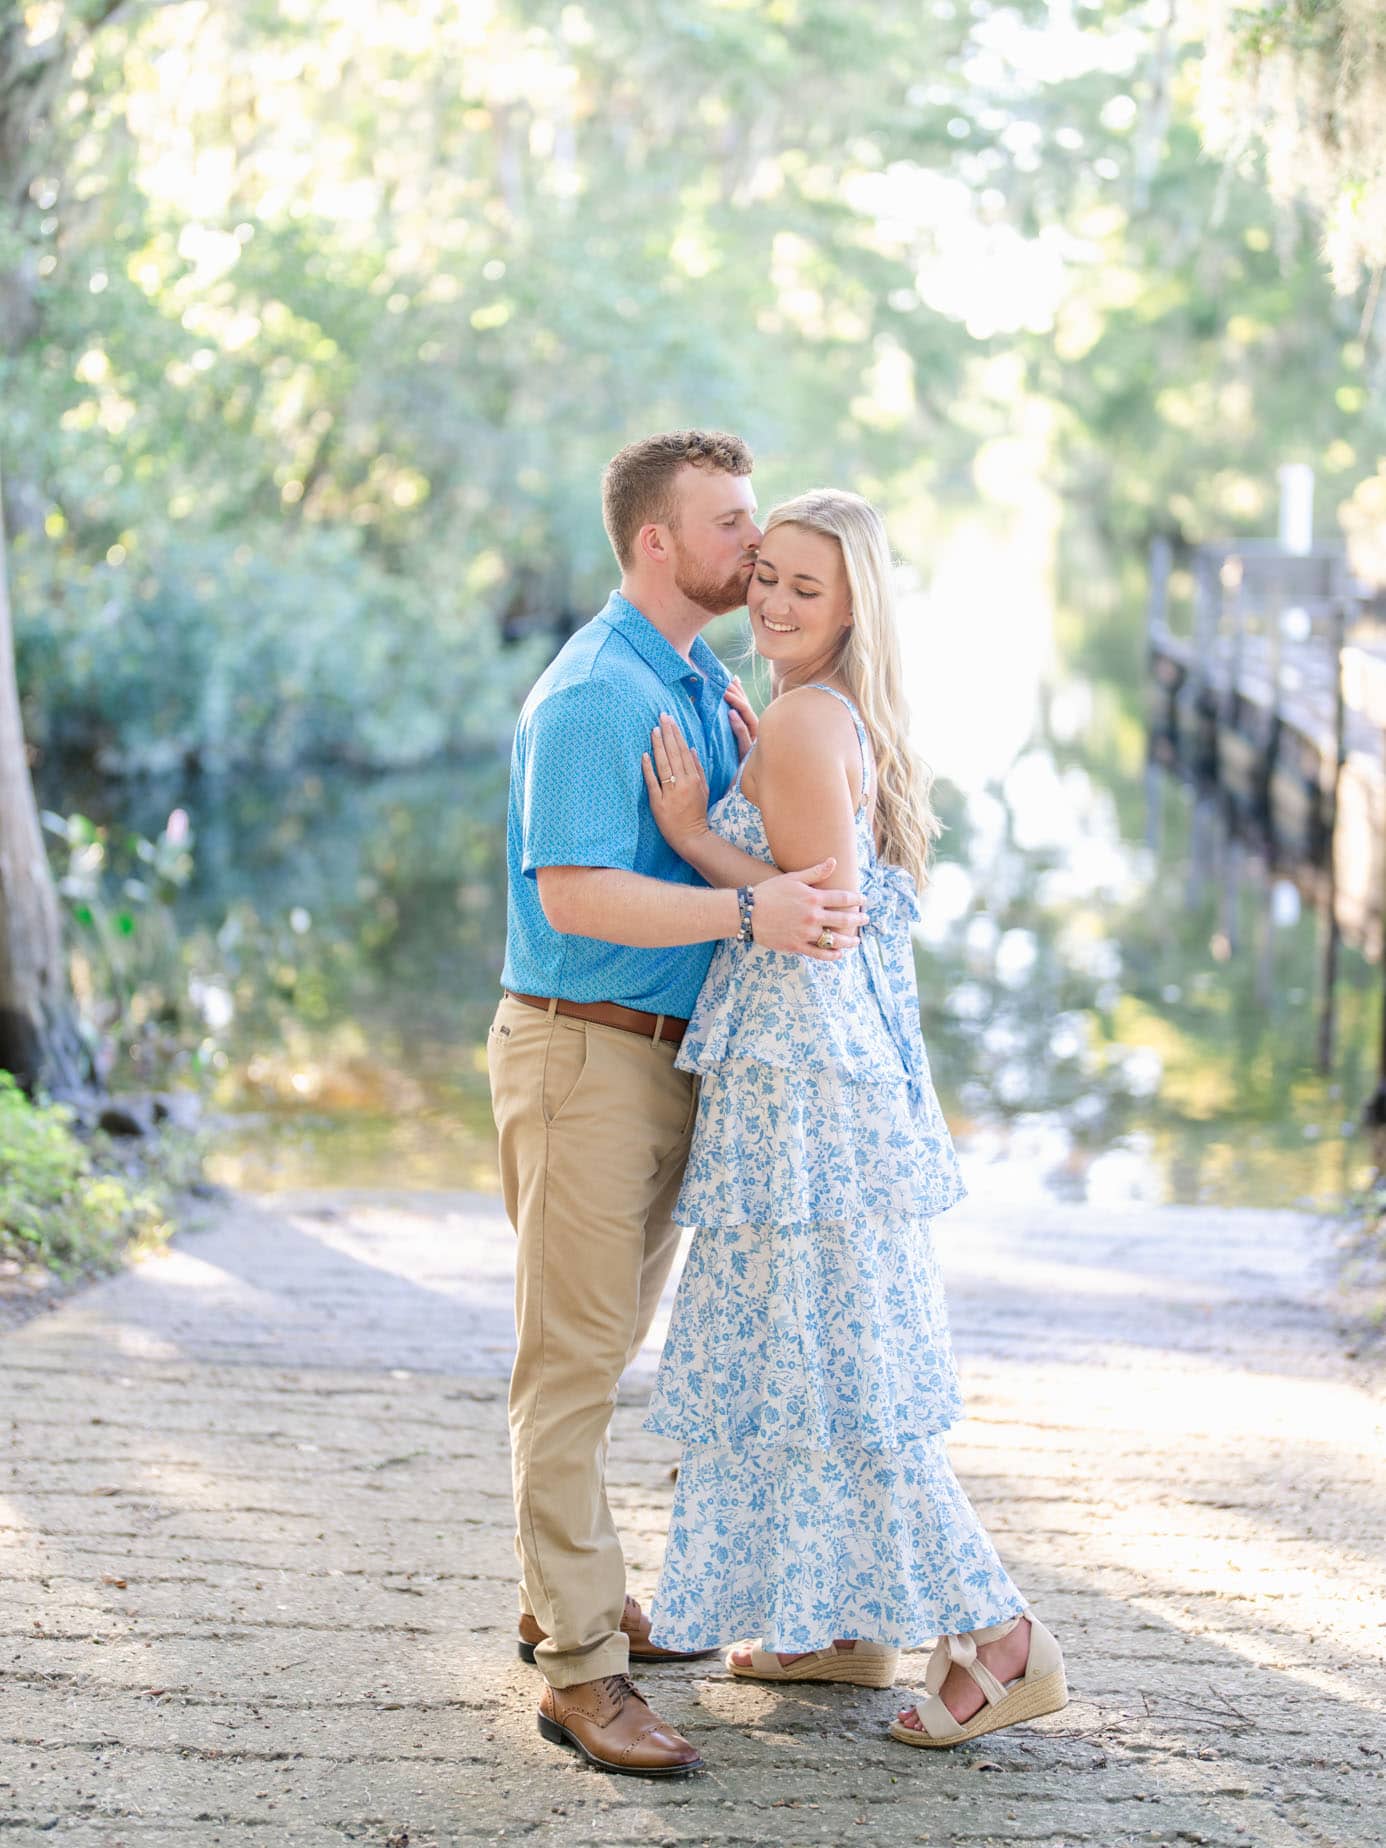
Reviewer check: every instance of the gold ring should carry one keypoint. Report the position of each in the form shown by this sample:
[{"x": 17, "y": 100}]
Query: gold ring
[
  {"x": 826, "y": 939},
  {"x": 670, "y": 780}
]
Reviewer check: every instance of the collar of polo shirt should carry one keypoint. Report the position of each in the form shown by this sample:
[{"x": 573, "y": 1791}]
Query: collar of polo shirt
[{"x": 661, "y": 654}]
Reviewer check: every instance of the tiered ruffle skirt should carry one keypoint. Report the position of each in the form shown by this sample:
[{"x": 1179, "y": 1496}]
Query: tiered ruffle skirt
[{"x": 808, "y": 1371}]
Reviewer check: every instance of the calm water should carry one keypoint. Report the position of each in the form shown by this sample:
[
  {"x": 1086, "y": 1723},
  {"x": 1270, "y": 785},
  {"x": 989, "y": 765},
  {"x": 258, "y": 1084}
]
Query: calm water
[{"x": 1119, "y": 1000}]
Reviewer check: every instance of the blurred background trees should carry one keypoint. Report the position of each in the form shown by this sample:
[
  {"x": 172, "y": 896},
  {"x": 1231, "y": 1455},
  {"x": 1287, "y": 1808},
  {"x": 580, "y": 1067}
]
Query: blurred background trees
[
  {"x": 1306, "y": 80},
  {"x": 333, "y": 311},
  {"x": 318, "y": 320}
]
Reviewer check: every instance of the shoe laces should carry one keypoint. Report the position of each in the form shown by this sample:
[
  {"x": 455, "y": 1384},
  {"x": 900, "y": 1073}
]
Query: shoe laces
[{"x": 621, "y": 1689}]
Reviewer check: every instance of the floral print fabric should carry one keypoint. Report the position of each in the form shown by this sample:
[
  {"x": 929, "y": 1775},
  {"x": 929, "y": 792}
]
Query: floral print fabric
[
  {"x": 798, "y": 1546},
  {"x": 808, "y": 1370}
]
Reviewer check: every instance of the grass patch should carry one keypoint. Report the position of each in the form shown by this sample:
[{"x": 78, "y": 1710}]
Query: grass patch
[{"x": 69, "y": 1203}]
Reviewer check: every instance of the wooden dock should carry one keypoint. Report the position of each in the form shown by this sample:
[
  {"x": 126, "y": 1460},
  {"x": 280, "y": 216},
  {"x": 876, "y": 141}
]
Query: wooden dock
[
  {"x": 1275, "y": 695},
  {"x": 1268, "y": 687}
]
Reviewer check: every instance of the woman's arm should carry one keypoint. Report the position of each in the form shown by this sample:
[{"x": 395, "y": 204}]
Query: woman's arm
[
  {"x": 722, "y": 864},
  {"x": 677, "y": 787},
  {"x": 807, "y": 780},
  {"x": 678, "y": 792}
]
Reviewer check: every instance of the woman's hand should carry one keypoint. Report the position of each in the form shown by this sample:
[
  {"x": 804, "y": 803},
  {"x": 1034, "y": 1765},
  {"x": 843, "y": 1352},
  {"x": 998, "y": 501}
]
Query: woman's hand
[
  {"x": 677, "y": 786},
  {"x": 744, "y": 722}
]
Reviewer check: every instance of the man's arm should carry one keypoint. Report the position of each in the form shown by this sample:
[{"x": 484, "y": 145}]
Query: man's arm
[
  {"x": 629, "y": 908},
  {"x": 621, "y": 907}
]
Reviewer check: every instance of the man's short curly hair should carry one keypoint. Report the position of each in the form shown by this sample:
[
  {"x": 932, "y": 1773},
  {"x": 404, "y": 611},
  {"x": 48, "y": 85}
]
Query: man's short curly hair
[{"x": 638, "y": 485}]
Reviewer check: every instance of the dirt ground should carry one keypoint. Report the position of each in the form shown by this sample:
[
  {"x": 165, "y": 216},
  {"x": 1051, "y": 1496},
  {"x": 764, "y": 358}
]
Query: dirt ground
[{"x": 256, "y": 1572}]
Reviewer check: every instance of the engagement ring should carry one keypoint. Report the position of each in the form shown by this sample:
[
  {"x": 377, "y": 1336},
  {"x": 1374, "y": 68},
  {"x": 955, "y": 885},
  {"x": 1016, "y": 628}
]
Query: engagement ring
[{"x": 826, "y": 940}]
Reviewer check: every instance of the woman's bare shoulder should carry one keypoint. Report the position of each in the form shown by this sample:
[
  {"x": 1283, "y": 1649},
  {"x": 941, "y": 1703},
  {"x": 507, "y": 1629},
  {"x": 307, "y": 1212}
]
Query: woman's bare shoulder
[{"x": 804, "y": 725}]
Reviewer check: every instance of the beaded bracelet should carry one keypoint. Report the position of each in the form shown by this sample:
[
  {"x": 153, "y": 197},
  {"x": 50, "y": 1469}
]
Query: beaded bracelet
[{"x": 745, "y": 904}]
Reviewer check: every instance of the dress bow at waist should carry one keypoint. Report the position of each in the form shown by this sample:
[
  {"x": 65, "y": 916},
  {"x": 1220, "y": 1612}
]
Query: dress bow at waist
[{"x": 892, "y": 905}]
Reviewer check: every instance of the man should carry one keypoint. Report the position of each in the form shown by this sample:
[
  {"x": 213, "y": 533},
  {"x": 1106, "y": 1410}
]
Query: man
[{"x": 609, "y": 938}]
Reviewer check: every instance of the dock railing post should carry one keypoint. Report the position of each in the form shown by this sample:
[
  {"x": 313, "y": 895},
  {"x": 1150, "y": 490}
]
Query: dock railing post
[
  {"x": 1157, "y": 604},
  {"x": 1296, "y": 507},
  {"x": 1376, "y": 1109},
  {"x": 1235, "y": 594},
  {"x": 1328, "y": 972},
  {"x": 1203, "y": 693},
  {"x": 1280, "y": 615},
  {"x": 1205, "y": 618}
]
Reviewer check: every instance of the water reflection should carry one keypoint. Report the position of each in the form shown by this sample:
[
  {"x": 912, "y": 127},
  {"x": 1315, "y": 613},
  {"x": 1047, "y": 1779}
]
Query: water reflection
[
  {"x": 344, "y": 938},
  {"x": 1118, "y": 995},
  {"x": 1115, "y": 1011}
]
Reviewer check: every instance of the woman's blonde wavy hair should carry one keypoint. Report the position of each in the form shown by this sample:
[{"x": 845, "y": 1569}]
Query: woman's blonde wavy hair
[{"x": 867, "y": 662}]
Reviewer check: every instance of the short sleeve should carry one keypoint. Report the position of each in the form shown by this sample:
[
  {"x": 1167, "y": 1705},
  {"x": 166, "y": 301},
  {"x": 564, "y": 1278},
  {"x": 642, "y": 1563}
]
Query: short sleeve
[{"x": 583, "y": 786}]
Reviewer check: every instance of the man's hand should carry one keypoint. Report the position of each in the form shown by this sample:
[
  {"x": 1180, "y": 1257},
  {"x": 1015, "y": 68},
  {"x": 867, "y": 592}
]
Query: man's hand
[
  {"x": 792, "y": 910},
  {"x": 742, "y": 713}
]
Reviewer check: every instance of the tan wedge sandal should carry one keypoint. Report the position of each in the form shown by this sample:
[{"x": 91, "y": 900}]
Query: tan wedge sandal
[
  {"x": 1041, "y": 1689},
  {"x": 865, "y": 1665}
]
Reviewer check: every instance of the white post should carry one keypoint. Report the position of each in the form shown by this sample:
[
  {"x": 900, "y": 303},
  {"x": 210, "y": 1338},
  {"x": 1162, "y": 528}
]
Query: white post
[
  {"x": 1297, "y": 538},
  {"x": 1297, "y": 507}
]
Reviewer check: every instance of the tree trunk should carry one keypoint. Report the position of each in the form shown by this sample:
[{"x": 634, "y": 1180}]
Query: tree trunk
[{"x": 39, "y": 1041}]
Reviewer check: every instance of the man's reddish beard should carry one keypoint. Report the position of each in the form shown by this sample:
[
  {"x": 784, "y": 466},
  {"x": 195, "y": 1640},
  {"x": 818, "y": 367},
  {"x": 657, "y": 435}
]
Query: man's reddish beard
[{"x": 715, "y": 595}]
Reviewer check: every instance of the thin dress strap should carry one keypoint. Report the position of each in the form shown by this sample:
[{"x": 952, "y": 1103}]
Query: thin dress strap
[{"x": 817, "y": 686}]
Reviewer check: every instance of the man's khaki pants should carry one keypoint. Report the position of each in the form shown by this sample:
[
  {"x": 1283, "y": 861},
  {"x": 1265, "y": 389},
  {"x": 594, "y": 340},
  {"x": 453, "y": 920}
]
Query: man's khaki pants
[{"x": 595, "y": 1125}]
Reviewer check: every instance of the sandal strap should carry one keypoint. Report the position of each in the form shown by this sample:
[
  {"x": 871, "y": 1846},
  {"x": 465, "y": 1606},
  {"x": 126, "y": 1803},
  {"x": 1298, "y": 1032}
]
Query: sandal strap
[
  {"x": 765, "y": 1662},
  {"x": 960, "y": 1652},
  {"x": 934, "y": 1718}
]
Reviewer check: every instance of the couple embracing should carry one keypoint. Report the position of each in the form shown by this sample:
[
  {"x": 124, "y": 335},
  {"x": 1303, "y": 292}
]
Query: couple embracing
[{"x": 710, "y": 1019}]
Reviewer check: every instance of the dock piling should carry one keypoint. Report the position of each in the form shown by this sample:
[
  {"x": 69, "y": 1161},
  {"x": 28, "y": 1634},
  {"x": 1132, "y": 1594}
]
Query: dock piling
[
  {"x": 1269, "y": 694},
  {"x": 1331, "y": 932}
]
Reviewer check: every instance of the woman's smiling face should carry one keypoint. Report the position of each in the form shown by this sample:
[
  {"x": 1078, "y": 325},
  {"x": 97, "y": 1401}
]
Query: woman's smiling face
[{"x": 799, "y": 600}]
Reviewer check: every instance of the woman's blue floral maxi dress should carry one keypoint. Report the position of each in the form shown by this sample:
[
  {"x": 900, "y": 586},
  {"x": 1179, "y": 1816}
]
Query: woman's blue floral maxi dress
[{"x": 808, "y": 1371}]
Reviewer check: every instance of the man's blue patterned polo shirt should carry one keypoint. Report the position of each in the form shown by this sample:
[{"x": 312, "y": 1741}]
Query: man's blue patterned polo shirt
[{"x": 577, "y": 798}]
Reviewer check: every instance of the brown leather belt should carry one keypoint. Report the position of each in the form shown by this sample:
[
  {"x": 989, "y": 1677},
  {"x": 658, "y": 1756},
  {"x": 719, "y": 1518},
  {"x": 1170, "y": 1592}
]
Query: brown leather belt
[{"x": 610, "y": 1014}]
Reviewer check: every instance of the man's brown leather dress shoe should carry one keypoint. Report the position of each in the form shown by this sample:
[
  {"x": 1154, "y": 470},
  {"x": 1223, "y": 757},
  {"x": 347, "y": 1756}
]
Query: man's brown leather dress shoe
[
  {"x": 636, "y": 1626},
  {"x": 610, "y": 1723}
]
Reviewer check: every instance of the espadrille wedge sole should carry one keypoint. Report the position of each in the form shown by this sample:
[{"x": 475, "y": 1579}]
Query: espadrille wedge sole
[
  {"x": 1043, "y": 1688},
  {"x": 868, "y": 1665}
]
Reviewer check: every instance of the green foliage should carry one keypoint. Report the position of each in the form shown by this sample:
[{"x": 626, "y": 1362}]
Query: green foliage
[
  {"x": 61, "y": 1206},
  {"x": 127, "y": 963},
  {"x": 222, "y": 652},
  {"x": 1308, "y": 78},
  {"x": 336, "y": 322},
  {"x": 336, "y": 338},
  {"x": 1285, "y": 25}
]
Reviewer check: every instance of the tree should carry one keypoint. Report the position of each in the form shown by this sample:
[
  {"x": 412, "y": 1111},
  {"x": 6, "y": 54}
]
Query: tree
[
  {"x": 1308, "y": 77},
  {"x": 39, "y": 1042},
  {"x": 374, "y": 307},
  {"x": 337, "y": 317},
  {"x": 38, "y": 1037}
]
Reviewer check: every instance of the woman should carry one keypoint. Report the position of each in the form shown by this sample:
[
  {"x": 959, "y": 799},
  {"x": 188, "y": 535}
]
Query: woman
[{"x": 808, "y": 1371}]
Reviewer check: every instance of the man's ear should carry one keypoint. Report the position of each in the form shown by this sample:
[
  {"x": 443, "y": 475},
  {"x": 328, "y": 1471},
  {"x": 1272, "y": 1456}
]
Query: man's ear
[{"x": 652, "y": 542}]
